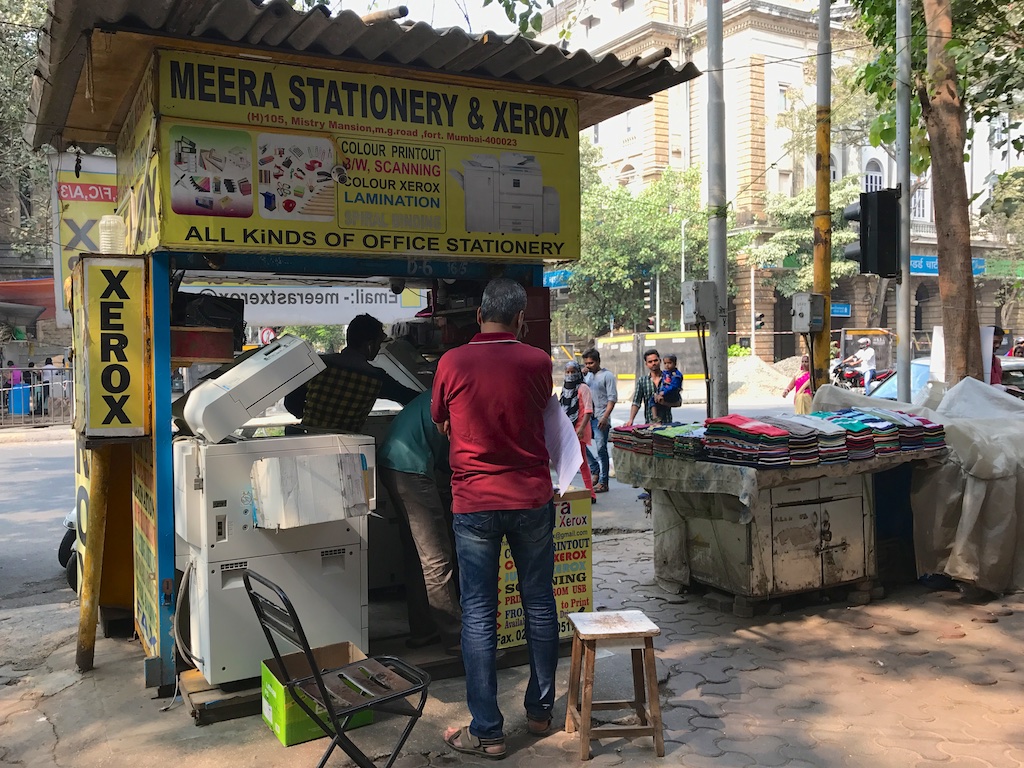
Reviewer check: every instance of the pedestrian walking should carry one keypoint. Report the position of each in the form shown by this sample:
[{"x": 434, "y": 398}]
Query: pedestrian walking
[
  {"x": 578, "y": 405},
  {"x": 646, "y": 391},
  {"x": 800, "y": 385},
  {"x": 605, "y": 394}
]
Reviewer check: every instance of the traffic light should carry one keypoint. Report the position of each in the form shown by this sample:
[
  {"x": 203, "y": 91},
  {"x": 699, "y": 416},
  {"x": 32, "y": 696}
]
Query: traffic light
[
  {"x": 650, "y": 324},
  {"x": 648, "y": 305},
  {"x": 759, "y": 321},
  {"x": 878, "y": 252}
]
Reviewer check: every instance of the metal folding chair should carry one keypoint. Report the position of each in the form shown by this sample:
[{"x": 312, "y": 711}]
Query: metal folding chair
[{"x": 379, "y": 683}]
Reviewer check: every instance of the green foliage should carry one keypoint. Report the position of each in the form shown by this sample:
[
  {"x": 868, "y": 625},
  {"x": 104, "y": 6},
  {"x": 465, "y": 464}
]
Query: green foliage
[
  {"x": 987, "y": 47},
  {"x": 791, "y": 247},
  {"x": 852, "y": 112},
  {"x": 735, "y": 350},
  {"x": 626, "y": 241},
  {"x": 525, "y": 14},
  {"x": 323, "y": 338},
  {"x": 24, "y": 176}
]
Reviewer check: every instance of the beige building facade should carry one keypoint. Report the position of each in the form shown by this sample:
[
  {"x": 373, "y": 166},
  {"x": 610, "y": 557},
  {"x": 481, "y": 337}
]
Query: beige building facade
[{"x": 769, "y": 65}]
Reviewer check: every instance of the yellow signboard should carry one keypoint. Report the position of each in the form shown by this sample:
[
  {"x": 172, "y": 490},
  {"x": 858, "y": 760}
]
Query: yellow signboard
[
  {"x": 147, "y": 592},
  {"x": 113, "y": 332},
  {"x": 322, "y": 161},
  {"x": 573, "y": 581},
  {"x": 137, "y": 170},
  {"x": 80, "y": 200}
]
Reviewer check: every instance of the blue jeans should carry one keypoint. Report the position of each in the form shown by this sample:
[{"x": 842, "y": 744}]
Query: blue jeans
[
  {"x": 597, "y": 452},
  {"x": 478, "y": 545},
  {"x": 868, "y": 376}
]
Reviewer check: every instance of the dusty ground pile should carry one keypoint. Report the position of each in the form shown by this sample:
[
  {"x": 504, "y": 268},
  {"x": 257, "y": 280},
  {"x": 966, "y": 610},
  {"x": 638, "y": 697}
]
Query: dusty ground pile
[
  {"x": 753, "y": 377},
  {"x": 788, "y": 367}
]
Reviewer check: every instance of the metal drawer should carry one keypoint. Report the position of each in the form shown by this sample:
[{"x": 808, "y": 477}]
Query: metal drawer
[
  {"x": 841, "y": 487},
  {"x": 796, "y": 493}
]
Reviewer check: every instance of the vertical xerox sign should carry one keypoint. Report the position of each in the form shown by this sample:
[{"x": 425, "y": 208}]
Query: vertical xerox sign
[{"x": 115, "y": 347}]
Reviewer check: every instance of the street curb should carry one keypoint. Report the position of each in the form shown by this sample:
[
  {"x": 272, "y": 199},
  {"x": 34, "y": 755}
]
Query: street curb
[{"x": 40, "y": 434}]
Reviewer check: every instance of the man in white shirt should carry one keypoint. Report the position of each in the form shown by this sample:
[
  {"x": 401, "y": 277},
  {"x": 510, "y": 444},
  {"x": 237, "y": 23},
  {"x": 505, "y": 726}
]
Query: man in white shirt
[
  {"x": 49, "y": 377},
  {"x": 864, "y": 360}
]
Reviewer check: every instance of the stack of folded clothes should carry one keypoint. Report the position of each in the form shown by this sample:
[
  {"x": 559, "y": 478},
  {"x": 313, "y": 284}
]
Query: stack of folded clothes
[
  {"x": 736, "y": 439},
  {"x": 831, "y": 438},
  {"x": 860, "y": 439},
  {"x": 911, "y": 433},
  {"x": 803, "y": 440},
  {"x": 885, "y": 433},
  {"x": 680, "y": 441},
  {"x": 635, "y": 439}
]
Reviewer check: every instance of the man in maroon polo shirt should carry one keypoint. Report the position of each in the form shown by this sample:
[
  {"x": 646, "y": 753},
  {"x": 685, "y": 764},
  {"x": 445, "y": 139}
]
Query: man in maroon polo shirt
[{"x": 501, "y": 486}]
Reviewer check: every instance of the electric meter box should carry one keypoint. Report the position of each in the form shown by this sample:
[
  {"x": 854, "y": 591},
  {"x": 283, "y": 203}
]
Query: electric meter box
[
  {"x": 808, "y": 312},
  {"x": 700, "y": 302}
]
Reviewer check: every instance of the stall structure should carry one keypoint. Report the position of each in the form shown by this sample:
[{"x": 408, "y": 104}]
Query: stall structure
[
  {"x": 759, "y": 532},
  {"x": 254, "y": 138}
]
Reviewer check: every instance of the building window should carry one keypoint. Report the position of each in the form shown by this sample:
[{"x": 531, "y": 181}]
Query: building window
[
  {"x": 627, "y": 175},
  {"x": 997, "y": 132},
  {"x": 597, "y": 133},
  {"x": 783, "y": 101},
  {"x": 919, "y": 200},
  {"x": 833, "y": 168},
  {"x": 629, "y": 121},
  {"x": 786, "y": 183},
  {"x": 873, "y": 179}
]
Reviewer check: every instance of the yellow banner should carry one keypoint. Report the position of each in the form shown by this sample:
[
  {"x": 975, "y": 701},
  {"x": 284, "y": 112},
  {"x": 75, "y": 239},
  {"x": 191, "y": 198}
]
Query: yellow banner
[
  {"x": 573, "y": 578},
  {"x": 147, "y": 591},
  {"x": 80, "y": 203},
  {"x": 138, "y": 170},
  {"x": 115, "y": 346},
  {"x": 321, "y": 161}
]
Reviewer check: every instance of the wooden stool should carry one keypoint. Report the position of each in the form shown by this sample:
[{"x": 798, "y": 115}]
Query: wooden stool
[{"x": 614, "y": 626}]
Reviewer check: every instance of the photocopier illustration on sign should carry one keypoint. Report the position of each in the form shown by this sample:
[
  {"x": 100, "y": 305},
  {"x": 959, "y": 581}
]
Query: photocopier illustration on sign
[{"x": 507, "y": 194}]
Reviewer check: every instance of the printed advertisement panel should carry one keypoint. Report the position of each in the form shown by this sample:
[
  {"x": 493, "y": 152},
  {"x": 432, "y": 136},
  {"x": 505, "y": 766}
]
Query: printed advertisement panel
[
  {"x": 317, "y": 305},
  {"x": 147, "y": 593},
  {"x": 138, "y": 170},
  {"x": 325, "y": 162},
  {"x": 78, "y": 202},
  {"x": 573, "y": 579},
  {"x": 115, "y": 347}
]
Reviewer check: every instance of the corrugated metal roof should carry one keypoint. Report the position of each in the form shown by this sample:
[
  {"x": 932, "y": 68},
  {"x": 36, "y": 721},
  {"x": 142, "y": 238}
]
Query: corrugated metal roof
[{"x": 510, "y": 58}]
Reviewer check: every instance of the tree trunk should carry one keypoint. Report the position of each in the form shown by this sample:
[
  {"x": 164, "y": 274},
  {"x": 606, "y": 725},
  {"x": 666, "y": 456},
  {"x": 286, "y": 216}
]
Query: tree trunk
[{"x": 944, "y": 118}]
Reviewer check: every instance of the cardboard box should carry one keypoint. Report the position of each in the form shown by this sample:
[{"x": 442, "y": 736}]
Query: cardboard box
[{"x": 286, "y": 719}]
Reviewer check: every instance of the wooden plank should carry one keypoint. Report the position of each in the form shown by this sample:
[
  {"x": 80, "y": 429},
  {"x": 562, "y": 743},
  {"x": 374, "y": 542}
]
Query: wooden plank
[{"x": 210, "y": 704}]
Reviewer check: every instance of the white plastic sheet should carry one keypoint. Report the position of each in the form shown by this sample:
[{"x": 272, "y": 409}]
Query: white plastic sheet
[{"x": 969, "y": 511}]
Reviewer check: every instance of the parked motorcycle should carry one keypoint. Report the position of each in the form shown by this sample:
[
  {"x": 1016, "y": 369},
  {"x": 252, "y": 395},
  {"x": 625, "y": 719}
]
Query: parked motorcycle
[
  {"x": 848, "y": 377},
  {"x": 67, "y": 551}
]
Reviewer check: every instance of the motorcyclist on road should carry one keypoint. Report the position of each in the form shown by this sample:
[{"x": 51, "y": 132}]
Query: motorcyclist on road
[{"x": 864, "y": 361}]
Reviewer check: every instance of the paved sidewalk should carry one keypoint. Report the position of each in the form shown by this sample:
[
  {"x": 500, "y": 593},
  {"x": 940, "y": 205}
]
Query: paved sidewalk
[{"x": 918, "y": 679}]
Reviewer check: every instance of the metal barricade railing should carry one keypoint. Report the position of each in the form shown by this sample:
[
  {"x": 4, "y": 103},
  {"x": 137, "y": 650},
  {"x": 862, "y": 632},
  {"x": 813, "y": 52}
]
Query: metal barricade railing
[{"x": 36, "y": 397}]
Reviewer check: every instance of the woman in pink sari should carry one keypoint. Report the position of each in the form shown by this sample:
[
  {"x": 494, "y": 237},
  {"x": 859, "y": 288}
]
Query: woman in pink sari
[{"x": 578, "y": 404}]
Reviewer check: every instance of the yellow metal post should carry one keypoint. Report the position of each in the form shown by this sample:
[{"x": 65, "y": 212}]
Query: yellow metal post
[
  {"x": 822, "y": 197},
  {"x": 92, "y": 565}
]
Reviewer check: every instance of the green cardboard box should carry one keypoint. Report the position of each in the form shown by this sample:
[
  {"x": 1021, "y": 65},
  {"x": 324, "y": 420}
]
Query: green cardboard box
[{"x": 286, "y": 719}]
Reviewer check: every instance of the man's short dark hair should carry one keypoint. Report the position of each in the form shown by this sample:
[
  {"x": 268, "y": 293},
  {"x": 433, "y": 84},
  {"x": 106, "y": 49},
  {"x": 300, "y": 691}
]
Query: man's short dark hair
[
  {"x": 503, "y": 299},
  {"x": 997, "y": 331},
  {"x": 592, "y": 354},
  {"x": 364, "y": 329},
  {"x": 649, "y": 352}
]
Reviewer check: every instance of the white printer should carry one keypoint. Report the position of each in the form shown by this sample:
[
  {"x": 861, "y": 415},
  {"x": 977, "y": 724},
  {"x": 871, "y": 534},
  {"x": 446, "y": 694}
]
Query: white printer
[
  {"x": 507, "y": 194},
  {"x": 291, "y": 508}
]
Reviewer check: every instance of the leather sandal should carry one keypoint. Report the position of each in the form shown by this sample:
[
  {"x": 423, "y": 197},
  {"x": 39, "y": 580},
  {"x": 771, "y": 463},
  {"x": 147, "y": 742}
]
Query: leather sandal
[
  {"x": 471, "y": 745},
  {"x": 601, "y": 488}
]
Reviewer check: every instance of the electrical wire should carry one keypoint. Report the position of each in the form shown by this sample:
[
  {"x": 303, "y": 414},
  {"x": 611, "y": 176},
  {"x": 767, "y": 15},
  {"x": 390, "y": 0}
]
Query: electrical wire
[
  {"x": 176, "y": 630},
  {"x": 701, "y": 328}
]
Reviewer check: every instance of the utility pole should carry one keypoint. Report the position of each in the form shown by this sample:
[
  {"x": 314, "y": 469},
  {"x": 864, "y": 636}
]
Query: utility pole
[
  {"x": 682, "y": 269},
  {"x": 821, "y": 341},
  {"x": 657, "y": 303},
  {"x": 903, "y": 297},
  {"x": 718, "y": 361}
]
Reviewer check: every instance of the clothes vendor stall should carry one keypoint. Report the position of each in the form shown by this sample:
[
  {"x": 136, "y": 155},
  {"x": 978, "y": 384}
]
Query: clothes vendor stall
[{"x": 763, "y": 508}]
